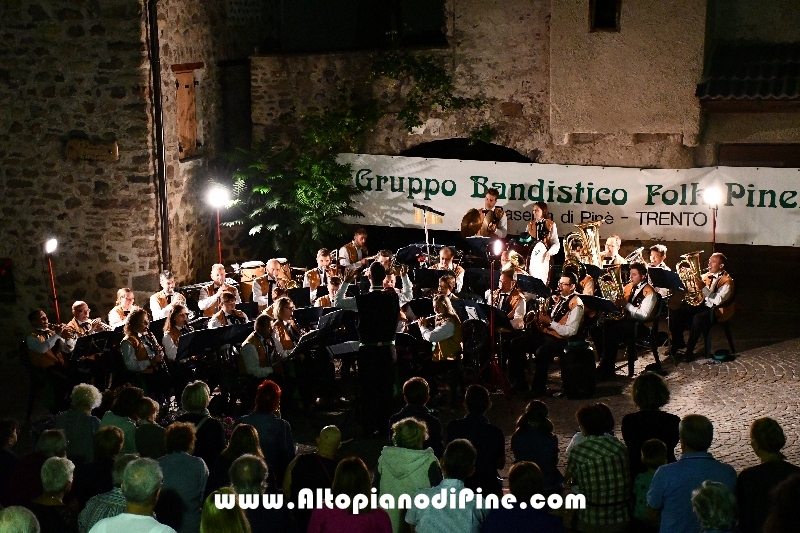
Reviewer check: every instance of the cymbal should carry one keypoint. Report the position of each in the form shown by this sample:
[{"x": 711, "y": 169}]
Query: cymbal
[{"x": 471, "y": 223}]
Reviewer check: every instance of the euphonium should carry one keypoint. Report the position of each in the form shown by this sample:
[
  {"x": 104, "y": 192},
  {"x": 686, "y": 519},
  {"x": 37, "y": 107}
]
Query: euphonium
[
  {"x": 285, "y": 280},
  {"x": 636, "y": 256},
  {"x": 612, "y": 289},
  {"x": 589, "y": 240},
  {"x": 688, "y": 268},
  {"x": 541, "y": 305}
]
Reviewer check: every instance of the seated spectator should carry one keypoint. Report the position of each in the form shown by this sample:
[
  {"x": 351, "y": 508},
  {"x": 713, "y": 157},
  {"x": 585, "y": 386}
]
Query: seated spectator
[
  {"x": 654, "y": 454},
  {"x": 249, "y": 475},
  {"x": 141, "y": 486},
  {"x": 49, "y": 508},
  {"x": 149, "y": 435},
  {"x": 650, "y": 393},
  {"x": 312, "y": 471},
  {"x": 715, "y": 508},
  {"x": 78, "y": 423},
  {"x": 534, "y": 441},
  {"x": 599, "y": 466},
  {"x": 524, "y": 480},
  {"x": 95, "y": 477},
  {"x": 210, "y": 433},
  {"x": 672, "y": 486},
  {"x": 25, "y": 481},
  {"x": 244, "y": 439},
  {"x": 109, "y": 503},
  {"x": 18, "y": 520},
  {"x": 607, "y": 425},
  {"x": 185, "y": 478},
  {"x": 214, "y": 519},
  {"x": 755, "y": 484},
  {"x": 417, "y": 394},
  {"x": 782, "y": 516},
  {"x": 487, "y": 439},
  {"x": 406, "y": 468},
  {"x": 351, "y": 479},
  {"x": 9, "y": 432},
  {"x": 123, "y": 415},
  {"x": 274, "y": 434},
  {"x": 458, "y": 464}
]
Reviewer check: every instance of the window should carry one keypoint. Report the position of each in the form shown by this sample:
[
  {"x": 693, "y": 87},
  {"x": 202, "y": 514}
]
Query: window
[
  {"x": 604, "y": 15},
  {"x": 186, "y": 98}
]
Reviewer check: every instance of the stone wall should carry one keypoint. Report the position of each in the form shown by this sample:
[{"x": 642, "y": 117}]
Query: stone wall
[{"x": 74, "y": 69}]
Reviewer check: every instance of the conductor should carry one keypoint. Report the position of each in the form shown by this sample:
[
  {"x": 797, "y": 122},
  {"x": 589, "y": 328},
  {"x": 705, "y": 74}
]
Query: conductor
[{"x": 378, "y": 313}]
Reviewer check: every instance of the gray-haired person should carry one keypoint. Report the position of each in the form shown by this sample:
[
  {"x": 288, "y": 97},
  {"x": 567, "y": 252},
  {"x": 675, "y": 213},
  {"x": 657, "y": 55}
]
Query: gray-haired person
[
  {"x": 109, "y": 503},
  {"x": 141, "y": 486},
  {"x": 248, "y": 475},
  {"x": 17, "y": 519},
  {"x": 49, "y": 508},
  {"x": 715, "y": 507}
]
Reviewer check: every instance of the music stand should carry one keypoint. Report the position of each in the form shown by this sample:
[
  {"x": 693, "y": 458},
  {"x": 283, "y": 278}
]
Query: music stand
[
  {"x": 157, "y": 328},
  {"x": 248, "y": 308},
  {"x": 96, "y": 343},
  {"x": 599, "y": 304},
  {"x": 300, "y": 296},
  {"x": 593, "y": 270},
  {"x": 478, "y": 280},
  {"x": 200, "y": 341},
  {"x": 425, "y": 210},
  {"x": 428, "y": 278},
  {"x": 307, "y": 317},
  {"x": 666, "y": 279},
  {"x": 532, "y": 285},
  {"x": 419, "y": 308}
]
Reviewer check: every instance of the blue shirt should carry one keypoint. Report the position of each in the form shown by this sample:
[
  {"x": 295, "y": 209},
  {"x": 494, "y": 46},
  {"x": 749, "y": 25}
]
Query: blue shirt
[
  {"x": 672, "y": 486},
  {"x": 277, "y": 443},
  {"x": 446, "y": 520},
  {"x": 185, "y": 478}
]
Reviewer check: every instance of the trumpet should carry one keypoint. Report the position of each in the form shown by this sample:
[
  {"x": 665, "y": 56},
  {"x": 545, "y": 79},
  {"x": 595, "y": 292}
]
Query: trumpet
[
  {"x": 97, "y": 325},
  {"x": 66, "y": 331},
  {"x": 396, "y": 268}
]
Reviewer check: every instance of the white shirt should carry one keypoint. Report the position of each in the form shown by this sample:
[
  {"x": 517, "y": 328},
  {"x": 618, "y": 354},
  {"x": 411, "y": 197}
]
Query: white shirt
[
  {"x": 207, "y": 301},
  {"x": 573, "y": 323},
  {"x": 170, "y": 348},
  {"x": 250, "y": 357},
  {"x": 502, "y": 226},
  {"x": 214, "y": 323},
  {"x": 439, "y": 333},
  {"x": 159, "y": 312},
  {"x": 129, "y": 356},
  {"x": 258, "y": 297},
  {"x": 518, "y": 319},
  {"x": 276, "y": 342},
  {"x": 130, "y": 523},
  {"x": 459, "y": 277},
  {"x": 344, "y": 258},
  {"x": 715, "y": 297},
  {"x": 114, "y": 319},
  {"x": 644, "y": 312}
]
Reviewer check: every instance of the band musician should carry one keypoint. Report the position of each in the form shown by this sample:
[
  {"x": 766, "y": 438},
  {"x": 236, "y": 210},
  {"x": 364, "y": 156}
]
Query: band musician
[
  {"x": 445, "y": 332},
  {"x": 446, "y": 263},
  {"x": 511, "y": 260},
  {"x": 658, "y": 258},
  {"x": 447, "y": 286},
  {"x": 296, "y": 368},
  {"x": 44, "y": 346},
  {"x": 320, "y": 275},
  {"x": 353, "y": 255},
  {"x": 175, "y": 326},
  {"x": 509, "y": 299},
  {"x": 718, "y": 292},
  {"x": 264, "y": 286},
  {"x": 334, "y": 282},
  {"x": 123, "y": 307},
  {"x": 143, "y": 355},
  {"x": 379, "y": 313},
  {"x": 162, "y": 302},
  {"x": 542, "y": 229},
  {"x": 210, "y": 301},
  {"x": 549, "y": 338},
  {"x": 498, "y": 228},
  {"x": 639, "y": 301},
  {"x": 228, "y": 315},
  {"x": 258, "y": 354},
  {"x": 610, "y": 255}
]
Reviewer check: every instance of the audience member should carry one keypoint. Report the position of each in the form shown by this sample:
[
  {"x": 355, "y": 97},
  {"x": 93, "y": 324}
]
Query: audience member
[
  {"x": 714, "y": 506},
  {"x": 312, "y": 471},
  {"x": 123, "y": 415},
  {"x": 417, "y": 394},
  {"x": 79, "y": 425},
  {"x": 782, "y": 516},
  {"x": 605, "y": 418},
  {"x": 109, "y": 503},
  {"x": 351, "y": 479},
  {"x": 524, "y": 480},
  {"x": 141, "y": 486},
  {"x": 18, "y": 520},
  {"x": 95, "y": 477},
  {"x": 406, "y": 468},
  {"x": 650, "y": 393},
  {"x": 274, "y": 434},
  {"x": 244, "y": 439},
  {"x": 216, "y": 520},
  {"x": 249, "y": 475},
  {"x": 487, "y": 439},
  {"x": 185, "y": 478},
  {"x": 599, "y": 466},
  {"x": 211, "y": 437},
  {"x": 654, "y": 454},
  {"x": 9, "y": 433},
  {"x": 25, "y": 481},
  {"x": 49, "y": 508},
  {"x": 755, "y": 484},
  {"x": 672, "y": 486},
  {"x": 458, "y": 464},
  {"x": 149, "y": 435},
  {"x": 534, "y": 441}
]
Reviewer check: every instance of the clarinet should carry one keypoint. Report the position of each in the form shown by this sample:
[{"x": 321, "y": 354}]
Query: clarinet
[{"x": 150, "y": 340}]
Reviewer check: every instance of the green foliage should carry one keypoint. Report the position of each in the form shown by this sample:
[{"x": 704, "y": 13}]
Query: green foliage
[{"x": 485, "y": 133}]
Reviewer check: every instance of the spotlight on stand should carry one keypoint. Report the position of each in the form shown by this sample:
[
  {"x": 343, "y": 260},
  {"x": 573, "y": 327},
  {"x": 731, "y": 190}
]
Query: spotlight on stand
[
  {"x": 497, "y": 247},
  {"x": 50, "y": 246},
  {"x": 712, "y": 197},
  {"x": 218, "y": 197}
]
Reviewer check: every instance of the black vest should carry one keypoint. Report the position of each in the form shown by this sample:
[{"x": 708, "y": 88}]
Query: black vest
[{"x": 378, "y": 313}]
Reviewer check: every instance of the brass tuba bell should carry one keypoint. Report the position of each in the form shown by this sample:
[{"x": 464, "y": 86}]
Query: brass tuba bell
[
  {"x": 611, "y": 287},
  {"x": 688, "y": 269},
  {"x": 588, "y": 237}
]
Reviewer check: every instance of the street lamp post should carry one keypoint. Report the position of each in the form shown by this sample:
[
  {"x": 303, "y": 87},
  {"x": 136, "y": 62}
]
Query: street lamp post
[
  {"x": 50, "y": 247},
  {"x": 218, "y": 198},
  {"x": 712, "y": 197}
]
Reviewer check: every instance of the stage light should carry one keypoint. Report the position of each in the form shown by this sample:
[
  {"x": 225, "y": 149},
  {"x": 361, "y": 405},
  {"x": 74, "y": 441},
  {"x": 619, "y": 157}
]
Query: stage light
[
  {"x": 712, "y": 196},
  {"x": 497, "y": 247},
  {"x": 218, "y": 197},
  {"x": 50, "y": 246}
]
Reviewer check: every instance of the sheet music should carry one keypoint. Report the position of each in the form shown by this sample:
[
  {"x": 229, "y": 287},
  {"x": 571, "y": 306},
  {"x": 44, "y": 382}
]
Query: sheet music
[
  {"x": 343, "y": 348},
  {"x": 472, "y": 313}
]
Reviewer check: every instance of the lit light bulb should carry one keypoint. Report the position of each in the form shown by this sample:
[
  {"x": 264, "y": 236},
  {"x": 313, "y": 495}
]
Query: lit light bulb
[
  {"x": 497, "y": 247},
  {"x": 218, "y": 197},
  {"x": 712, "y": 196},
  {"x": 50, "y": 246}
]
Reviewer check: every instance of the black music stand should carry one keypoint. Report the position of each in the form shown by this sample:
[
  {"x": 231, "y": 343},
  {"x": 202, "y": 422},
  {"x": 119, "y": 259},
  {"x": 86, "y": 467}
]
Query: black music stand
[
  {"x": 532, "y": 285},
  {"x": 479, "y": 280},
  {"x": 428, "y": 278},
  {"x": 419, "y": 308},
  {"x": 157, "y": 328},
  {"x": 599, "y": 304},
  {"x": 96, "y": 343},
  {"x": 300, "y": 296},
  {"x": 248, "y": 308},
  {"x": 593, "y": 270},
  {"x": 666, "y": 279},
  {"x": 199, "y": 342},
  {"x": 322, "y": 290},
  {"x": 307, "y": 317}
]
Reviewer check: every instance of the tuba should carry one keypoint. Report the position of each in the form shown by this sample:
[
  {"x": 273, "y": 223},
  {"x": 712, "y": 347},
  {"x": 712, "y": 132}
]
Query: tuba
[
  {"x": 611, "y": 287},
  {"x": 688, "y": 268},
  {"x": 636, "y": 256},
  {"x": 588, "y": 238},
  {"x": 285, "y": 280},
  {"x": 540, "y": 305}
]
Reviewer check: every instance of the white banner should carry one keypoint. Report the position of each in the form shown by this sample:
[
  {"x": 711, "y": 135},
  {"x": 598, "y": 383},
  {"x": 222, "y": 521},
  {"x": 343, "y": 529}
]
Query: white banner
[{"x": 756, "y": 205}]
